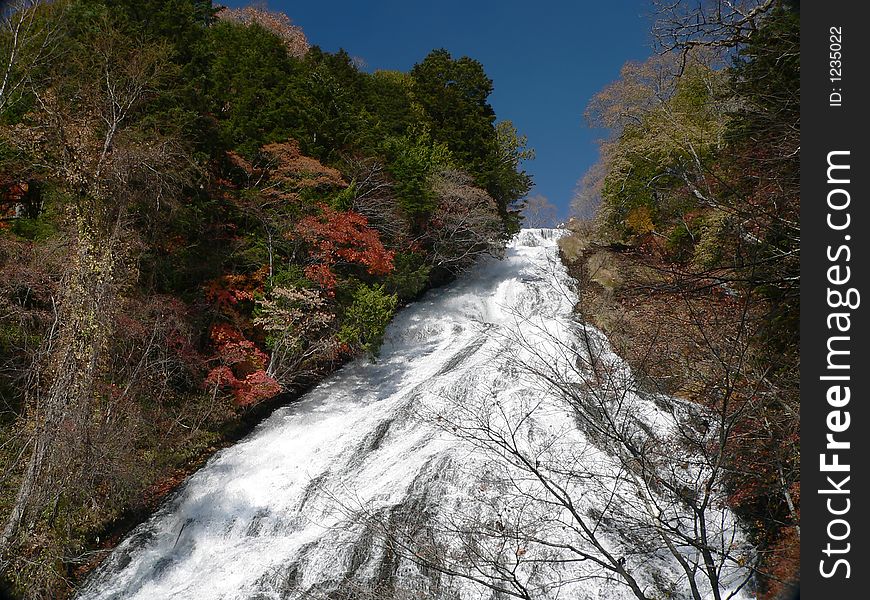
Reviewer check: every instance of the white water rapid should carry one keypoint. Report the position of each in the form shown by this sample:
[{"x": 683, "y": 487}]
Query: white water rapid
[{"x": 424, "y": 474}]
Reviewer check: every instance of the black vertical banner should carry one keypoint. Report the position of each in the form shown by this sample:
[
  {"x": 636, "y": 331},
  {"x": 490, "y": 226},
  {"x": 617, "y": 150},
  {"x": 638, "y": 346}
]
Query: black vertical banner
[{"x": 835, "y": 366}]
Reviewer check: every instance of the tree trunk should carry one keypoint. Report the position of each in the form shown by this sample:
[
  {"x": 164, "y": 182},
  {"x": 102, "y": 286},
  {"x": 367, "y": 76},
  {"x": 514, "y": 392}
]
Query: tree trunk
[{"x": 61, "y": 396}]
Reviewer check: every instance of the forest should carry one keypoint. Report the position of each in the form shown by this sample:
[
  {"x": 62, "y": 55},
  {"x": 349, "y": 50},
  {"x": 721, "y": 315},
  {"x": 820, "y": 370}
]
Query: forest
[{"x": 203, "y": 214}]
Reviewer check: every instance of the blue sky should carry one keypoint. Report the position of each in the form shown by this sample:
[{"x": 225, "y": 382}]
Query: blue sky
[{"x": 546, "y": 59}]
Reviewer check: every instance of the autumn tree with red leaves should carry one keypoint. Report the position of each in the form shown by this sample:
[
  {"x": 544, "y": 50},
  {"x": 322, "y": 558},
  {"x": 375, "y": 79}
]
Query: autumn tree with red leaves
[
  {"x": 242, "y": 367},
  {"x": 337, "y": 239}
]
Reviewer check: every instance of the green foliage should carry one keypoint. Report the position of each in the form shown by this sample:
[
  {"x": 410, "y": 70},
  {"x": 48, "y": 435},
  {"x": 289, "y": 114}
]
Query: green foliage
[
  {"x": 662, "y": 149},
  {"x": 343, "y": 200},
  {"x": 290, "y": 276},
  {"x": 413, "y": 161},
  {"x": 680, "y": 243},
  {"x": 766, "y": 75},
  {"x": 411, "y": 275},
  {"x": 503, "y": 176},
  {"x": 389, "y": 105},
  {"x": 36, "y": 230},
  {"x": 247, "y": 85},
  {"x": 366, "y": 319},
  {"x": 454, "y": 95},
  {"x": 329, "y": 114},
  {"x": 214, "y": 238},
  {"x": 183, "y": 22},
  {"x": 39, "y": 208},
  {"x": 714, "y": 235}
]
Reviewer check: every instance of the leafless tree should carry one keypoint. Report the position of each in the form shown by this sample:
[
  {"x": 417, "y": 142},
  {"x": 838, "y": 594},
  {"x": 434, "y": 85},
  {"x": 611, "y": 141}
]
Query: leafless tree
[
  {"x": 583, "y": 474},
  {"x": 539, "y": 212},
  {"x": 682, "y": 25},
  {"x": 587, "y": 192},
  {"x": 466, "y": 223},
  {"x": 373, "y": 198}
]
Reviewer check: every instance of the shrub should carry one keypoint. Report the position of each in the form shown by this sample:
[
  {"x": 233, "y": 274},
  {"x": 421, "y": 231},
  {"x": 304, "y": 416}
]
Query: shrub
[{"x": 367, "y": 318}]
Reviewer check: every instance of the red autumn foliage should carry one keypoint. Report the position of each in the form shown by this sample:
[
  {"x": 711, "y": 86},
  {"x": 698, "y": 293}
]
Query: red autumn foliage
[
  {"x": 785, "y": 561},
  {"x": 243, "y": 367},
  {"x": 11, "y": 192},
  {"x": 338, "y": 237},
  {"x": 228, "y": 290},
  {"x": 322, "y": 275}
]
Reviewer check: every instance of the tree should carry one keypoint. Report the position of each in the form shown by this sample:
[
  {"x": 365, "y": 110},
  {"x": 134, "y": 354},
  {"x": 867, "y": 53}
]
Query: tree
[
  {"x": 183, "y": 24},
  {"x": 333, "y": 118},
  {"x": 299, "y": 324},
  {"x": 272, "y": 192},
  {"x": 278, "y": 23},
  {"x": 717, "y": 24},
  {"x": 504, "y": 178},
  {"x": 247, "y": 85},
  {"x": 87, "y": 133},
  {"x": 702, "y": 182},
  {"x": 465, "y": 226},
  {"x": 371, "y": 193},
  {"x": 539, "y": 212},
  {"x": 667, "y": 131},
  {"x": 241, "y": 368},
  {"x": 454, "y": 94},
  {"x": 366, "y": 319},
  {"x": 587, "y": 193},
  {"x": 27, "y": 42},
  {"x": 388, "y": 100},
  {"x": 764, "y": 137},
  {"x": 341, "y": 238},
  {"x": 413, "y": 163}
]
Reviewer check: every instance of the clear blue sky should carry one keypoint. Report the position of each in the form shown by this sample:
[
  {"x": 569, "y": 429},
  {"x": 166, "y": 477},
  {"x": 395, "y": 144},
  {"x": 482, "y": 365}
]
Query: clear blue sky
[{"x": 546, "y": 59}]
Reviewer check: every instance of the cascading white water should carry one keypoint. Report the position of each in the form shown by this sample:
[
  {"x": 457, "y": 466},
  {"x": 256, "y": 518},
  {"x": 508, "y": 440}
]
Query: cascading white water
[{"x": 299, "y": 508}]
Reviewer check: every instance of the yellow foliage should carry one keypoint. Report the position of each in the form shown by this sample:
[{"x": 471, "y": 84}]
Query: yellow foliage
[{"x": 639, "y": 220}]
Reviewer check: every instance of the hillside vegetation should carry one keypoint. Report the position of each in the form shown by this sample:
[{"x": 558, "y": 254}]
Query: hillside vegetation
[
  {"x": 692, "y": 263},
  {"x": 202, "y": 212}
]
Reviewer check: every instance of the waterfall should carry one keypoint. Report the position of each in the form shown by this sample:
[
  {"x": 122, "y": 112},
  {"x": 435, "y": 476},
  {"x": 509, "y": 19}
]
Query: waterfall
[{"x": 380, "y": 482}]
